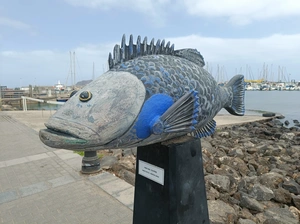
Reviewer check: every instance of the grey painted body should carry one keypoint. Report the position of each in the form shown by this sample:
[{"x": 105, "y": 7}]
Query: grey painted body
[{"x": 171, "y": 94}]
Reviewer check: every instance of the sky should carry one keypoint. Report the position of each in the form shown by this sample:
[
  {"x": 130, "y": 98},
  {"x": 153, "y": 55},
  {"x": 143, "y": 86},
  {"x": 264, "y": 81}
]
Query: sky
[{"x": 256, "y": 38}]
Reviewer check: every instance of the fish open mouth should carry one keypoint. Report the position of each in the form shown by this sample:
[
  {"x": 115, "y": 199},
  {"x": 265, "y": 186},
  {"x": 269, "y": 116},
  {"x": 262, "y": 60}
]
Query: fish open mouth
[{"x": 59, "y": 139}]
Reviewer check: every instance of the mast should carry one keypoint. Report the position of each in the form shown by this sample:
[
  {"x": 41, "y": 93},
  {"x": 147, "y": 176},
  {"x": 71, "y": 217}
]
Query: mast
[
  {"x": 93, "y": 70},
  {"x": 74, "y": 70}
]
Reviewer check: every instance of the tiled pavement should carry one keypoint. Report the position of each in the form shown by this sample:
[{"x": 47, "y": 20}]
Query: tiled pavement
[{"x": 43, "y": 185}]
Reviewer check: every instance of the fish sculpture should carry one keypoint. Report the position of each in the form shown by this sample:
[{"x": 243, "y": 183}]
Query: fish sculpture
[{"x": 151, "y": 93}]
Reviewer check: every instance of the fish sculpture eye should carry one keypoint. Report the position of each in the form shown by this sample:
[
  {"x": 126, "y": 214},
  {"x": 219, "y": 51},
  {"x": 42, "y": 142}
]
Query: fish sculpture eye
[{"x": 85, "y": 96}]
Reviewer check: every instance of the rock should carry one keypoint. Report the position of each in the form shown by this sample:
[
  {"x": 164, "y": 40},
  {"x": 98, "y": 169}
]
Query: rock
[
  {"x": 224, "y": 134},
  {"x": 128, "y": 176},
  {"x": 283, "y": 196},
  {"x": 251, "y": 150},
  {"x": 134, "y": 151},
  {"x": 261, "y": 193},
  {"x": 117, "y": 153},
  {"x": 296, "y": 200},
  {"x": 279, "y": 216},
  {"x": 220, "y": 212},
  {"x": 262, "y": 170},
  {"x": 280, "y": 117},
  {"x": 296, "y": 177},
  {"x": 286, "y": 122},
  {"x": 242, "y": 129},
  {"x": 221, "y": 183},
  {"x": 226, "y": 170},
  {"x": 240, "y": 166},
  {"x": 287, "y": 136},
  {"x": 251, "y": 203},
  {"x": 281, "y": 172},
  {"x": 245, "y": 221},
  {"x": 207, "y": 146},
  {"x": 262, "y": 148},
  {"x": 248, "y": 144},
  {"x": 125, "y": 163},
  {"x": 271, "y": 180},
  {"x": 296, "y": 121},
  {"x": 212, "y": 194},
  {"x": 245, "y": 214},
  {"x": 126, "y": 152},
  {"x": 107, "y": 162},
  {"x": 295, "y": 212},
  {"x": 291, "y": 186}
]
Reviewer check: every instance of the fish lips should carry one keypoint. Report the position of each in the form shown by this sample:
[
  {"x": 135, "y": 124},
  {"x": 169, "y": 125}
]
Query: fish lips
[
  {"x": 56, "y": 139},
  {"x": 67, "y": 135}
]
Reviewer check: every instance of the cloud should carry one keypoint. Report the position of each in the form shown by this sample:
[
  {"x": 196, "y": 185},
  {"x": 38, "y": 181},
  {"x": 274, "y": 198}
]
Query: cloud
[
  {"x": 242, "y": 12},
  {"x": 46, "y": 67},
  {"x": 153, "y": 9},
  {"x": 14, "y": 24},
  {"x": 230, "y": 54},
  {"x": 234, "y": 54}
]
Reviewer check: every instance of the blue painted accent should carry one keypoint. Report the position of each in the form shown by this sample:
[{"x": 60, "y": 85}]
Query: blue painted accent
[
  {"x": 153, "y": 108},
  {"x": 91, "y": 119},
  {"x": 123, "y": 66}
]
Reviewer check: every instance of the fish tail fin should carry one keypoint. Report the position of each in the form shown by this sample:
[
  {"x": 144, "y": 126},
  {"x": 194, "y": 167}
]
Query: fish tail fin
[{"x": 237, "y": 86}]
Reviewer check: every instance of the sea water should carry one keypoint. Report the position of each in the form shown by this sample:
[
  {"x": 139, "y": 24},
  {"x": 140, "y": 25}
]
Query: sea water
[{"x": 286, "y": 103}]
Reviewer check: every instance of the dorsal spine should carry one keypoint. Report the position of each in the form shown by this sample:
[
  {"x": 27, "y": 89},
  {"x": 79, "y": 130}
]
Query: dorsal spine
[{"x": 127, "y": 52}]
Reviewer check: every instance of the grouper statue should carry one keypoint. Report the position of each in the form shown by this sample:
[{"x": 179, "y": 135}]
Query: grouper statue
[{"x": 151, "y": 93}]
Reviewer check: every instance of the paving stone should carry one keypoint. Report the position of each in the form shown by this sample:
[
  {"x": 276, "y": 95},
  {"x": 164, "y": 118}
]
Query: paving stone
[
  {"x": 33, "y": 189},
  {"x": 61, "y": 181},
  {"x": 8, "y": 196}
]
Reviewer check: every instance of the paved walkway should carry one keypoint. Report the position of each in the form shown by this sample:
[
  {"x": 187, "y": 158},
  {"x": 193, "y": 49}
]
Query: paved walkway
[{"x": 39, "y": 184}]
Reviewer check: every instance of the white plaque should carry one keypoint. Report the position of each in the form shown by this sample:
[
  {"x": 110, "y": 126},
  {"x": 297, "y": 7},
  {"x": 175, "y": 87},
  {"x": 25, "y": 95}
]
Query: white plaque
[{"x": 151, "y": 172}]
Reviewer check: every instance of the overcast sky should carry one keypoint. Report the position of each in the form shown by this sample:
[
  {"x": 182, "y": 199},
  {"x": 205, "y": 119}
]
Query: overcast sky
[{"x": 234, "y": 36}]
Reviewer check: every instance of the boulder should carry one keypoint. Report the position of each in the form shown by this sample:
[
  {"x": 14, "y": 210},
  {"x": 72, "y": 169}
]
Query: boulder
[
  {"x": 296, "y": 200},
  {"x": 261, "y": 192},
  {"x": 291, "y": 186},
  {"x": 271, "y": 180},
  {"x": 245, "y": 221},
  {"x": 251, "y": 203},
  {"x": 220, "y": 212},
  {"x": 107, "y": 162},
  {"x": 280, "y": 216},
  {"x": 220, "y": 182},
  {"x": 282, "y": 196}
]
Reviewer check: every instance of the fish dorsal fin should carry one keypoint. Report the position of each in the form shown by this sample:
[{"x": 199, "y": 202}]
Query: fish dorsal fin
[
  {"x": 192, "y": 55},
  {"x": 127, "y": 52},
  {"x": 180, "y": 117},
  {"x": 205, "y": 131}
]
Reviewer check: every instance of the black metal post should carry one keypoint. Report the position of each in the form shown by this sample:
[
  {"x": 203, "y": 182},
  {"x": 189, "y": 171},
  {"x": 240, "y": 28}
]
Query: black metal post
[
  {"x": 90, "y": 162},
  {"x": 169, "y": 185}
]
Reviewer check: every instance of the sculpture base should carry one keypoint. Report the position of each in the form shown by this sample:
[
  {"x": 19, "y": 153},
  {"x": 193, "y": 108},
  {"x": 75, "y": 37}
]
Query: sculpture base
[
  {"x": 90, "y": 162},
  {"x": 169, "y": 185}
]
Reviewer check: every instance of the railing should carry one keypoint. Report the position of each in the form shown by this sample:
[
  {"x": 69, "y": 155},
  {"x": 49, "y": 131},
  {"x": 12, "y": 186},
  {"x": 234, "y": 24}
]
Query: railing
[{"x": 25, "y": 98}]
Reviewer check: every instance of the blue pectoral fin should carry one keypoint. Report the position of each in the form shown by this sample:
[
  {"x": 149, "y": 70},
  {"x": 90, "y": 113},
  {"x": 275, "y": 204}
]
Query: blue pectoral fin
[
  {"x": 205, "y": 131},
  {"x": 180, "y": 117}
]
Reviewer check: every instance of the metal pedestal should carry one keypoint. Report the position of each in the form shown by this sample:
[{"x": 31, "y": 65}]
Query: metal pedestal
[{"x": 90, "y": 162}]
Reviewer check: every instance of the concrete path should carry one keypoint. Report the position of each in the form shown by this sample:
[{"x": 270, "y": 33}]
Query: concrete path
[{"x": 43, "y": 185}]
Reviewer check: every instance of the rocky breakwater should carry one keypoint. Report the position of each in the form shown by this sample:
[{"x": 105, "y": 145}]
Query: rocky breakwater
[{"x": 252, "y": 172}]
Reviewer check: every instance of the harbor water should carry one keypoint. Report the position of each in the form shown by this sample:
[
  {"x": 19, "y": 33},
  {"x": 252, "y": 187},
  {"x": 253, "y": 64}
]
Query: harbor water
[{"x": 286, "y": 103}]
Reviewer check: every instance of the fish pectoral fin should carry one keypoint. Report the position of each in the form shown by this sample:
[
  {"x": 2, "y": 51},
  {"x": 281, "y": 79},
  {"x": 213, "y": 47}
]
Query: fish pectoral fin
[
  {"x": 180, "y": 117},
  {"x": 205, "y": 131}
]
